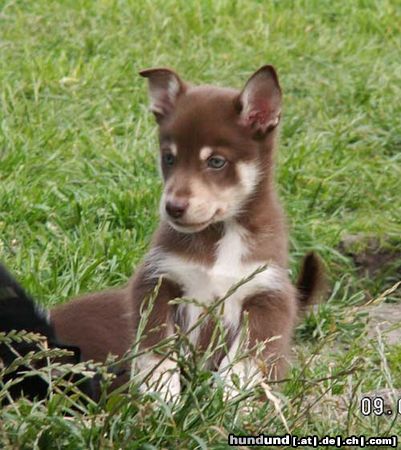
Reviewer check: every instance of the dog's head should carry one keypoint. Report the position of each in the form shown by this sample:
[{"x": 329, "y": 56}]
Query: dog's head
[{"x": 212, "y": 144}]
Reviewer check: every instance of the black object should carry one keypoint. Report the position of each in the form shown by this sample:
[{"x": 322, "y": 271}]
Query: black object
[{"x": 18, "y": 311}]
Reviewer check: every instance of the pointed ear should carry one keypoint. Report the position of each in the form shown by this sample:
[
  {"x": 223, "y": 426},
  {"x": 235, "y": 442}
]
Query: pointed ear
[
  {"x": 260, "y": 101},
  {"x": 165, "y": 86}
]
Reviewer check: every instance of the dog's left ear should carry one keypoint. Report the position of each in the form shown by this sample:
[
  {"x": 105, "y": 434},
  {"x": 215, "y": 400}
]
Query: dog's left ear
[
  {"x": 260, "y": 101},
  {"x": 165, "y": 86}
]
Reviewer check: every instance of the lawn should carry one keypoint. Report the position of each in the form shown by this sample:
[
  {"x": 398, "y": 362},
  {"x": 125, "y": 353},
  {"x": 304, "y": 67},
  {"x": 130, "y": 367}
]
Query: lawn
[{"x": 79, "y": 190}]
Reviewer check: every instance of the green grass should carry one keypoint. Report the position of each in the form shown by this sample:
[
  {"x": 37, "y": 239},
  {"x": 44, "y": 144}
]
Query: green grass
[{"x": 79, "y": 187}]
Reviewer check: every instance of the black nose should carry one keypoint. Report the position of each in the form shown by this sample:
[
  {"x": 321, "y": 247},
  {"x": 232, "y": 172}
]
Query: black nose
[{"x": 176, "y": 208}]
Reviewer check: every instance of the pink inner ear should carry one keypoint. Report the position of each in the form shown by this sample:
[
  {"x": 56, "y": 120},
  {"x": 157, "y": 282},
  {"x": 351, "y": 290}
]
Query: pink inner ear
[
  {"x": 260, "y": 117},
  {"x": 259, "y": 114}
]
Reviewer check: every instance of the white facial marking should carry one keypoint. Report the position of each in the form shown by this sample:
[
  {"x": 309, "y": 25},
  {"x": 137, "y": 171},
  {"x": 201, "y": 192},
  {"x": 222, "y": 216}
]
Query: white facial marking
[
  {"x": 249, "y": 174},
  {"x": 209, "y": 204},
  {"x": 199, "y": 211},
  {"x": 208, "y": 283},
  {"x": 205, "y": 153},
  {"x": 173, "y": 149}
]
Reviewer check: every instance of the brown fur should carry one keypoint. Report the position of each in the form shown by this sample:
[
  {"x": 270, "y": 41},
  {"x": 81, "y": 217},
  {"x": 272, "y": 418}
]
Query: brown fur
[
  {"x": 311, "y": 282},
  {"x": 100, "y": 325},
  {"x": 272, "y": 315},
  {"x": 197, "y": 117}
]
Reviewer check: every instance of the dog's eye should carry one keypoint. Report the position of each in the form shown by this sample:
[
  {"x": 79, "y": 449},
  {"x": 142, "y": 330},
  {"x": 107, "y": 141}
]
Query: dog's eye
[
  {"x": 169, "y": 159},
  {"x": 216, "y": 162}
]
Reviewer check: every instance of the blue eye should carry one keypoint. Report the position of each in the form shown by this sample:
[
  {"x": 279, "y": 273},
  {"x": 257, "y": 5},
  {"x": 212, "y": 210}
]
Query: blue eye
[
  {"x": 216, "y": 162},
  {"x": 169, "y": 159}
]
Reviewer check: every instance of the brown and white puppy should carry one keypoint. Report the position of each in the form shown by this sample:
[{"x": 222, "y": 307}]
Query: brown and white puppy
[{"x": 220, "y": 221}]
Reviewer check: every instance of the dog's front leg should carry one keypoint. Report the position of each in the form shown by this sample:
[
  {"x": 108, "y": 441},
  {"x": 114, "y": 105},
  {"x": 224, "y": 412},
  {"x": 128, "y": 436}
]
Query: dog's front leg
[
  {"x": 269, "y": 322},
  {"x": 155, "y": 323},
  {"x": 158, "y": 374}
]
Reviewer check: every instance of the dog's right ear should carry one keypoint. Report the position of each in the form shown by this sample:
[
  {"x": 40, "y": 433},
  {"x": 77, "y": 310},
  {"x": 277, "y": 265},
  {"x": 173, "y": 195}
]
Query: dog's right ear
[{"x": 165, "y": 86}]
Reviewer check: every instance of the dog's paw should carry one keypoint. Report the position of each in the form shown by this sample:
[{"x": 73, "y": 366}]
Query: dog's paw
[
  {"x": 239, "y": 378},
  {"x": 162, "y": 377},
  {"x": 169, "y": 386}
]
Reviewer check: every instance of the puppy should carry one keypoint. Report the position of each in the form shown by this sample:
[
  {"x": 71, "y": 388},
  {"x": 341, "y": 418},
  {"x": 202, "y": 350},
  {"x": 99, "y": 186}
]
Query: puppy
[{"x": 220, "y": 220}]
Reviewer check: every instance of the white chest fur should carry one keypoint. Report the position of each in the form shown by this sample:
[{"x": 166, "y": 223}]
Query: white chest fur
[{"x": 206, "y": 283}]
